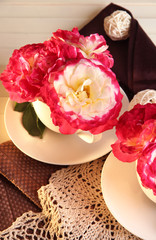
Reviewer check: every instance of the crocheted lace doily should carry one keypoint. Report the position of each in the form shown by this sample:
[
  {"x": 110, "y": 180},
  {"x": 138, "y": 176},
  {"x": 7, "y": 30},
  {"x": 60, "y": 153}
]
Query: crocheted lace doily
[
  {"x": 29, "y": 226},
  {"x": 143, "y": 97},
  {"x": 117, "y": 25},
  {"x": 73, "y": 208}
]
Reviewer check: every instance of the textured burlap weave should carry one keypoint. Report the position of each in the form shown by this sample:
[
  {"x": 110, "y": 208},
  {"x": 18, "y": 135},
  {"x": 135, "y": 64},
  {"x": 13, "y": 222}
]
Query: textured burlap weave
[{"x": 20, "y": 178}]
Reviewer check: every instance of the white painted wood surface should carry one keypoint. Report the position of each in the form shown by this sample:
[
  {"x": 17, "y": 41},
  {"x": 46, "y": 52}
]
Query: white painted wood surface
[
  {"x": 32, "y": 21},
  {"x": 26, "y": 21}
]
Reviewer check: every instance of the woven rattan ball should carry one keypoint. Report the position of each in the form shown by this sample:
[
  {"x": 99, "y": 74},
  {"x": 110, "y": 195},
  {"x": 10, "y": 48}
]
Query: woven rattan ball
[
  {"x": 117, "y": 25},
  {"x": 143, "y": 97}
]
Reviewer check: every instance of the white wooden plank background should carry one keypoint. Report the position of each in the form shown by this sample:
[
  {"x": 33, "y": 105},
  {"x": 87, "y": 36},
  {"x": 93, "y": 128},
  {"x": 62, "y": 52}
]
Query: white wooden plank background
[{"x": 32, "y": 21}]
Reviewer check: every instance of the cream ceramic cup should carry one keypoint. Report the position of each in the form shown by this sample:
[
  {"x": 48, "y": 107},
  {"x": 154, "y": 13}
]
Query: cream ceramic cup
[
  {"x": 43, "y": 112},
  {"x": 148, "y": 192}
]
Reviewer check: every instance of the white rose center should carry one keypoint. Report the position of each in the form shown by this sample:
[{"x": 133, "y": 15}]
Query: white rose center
[{"x": 85, "y": 90}]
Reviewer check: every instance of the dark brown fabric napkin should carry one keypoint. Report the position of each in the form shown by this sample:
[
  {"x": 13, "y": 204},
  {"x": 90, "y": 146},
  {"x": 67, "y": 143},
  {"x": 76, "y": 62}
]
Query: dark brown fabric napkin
[
  {"x": 134, "y": 58},
  {"x": 21, "y": 176},
  {"x": 13, "y": 203}
]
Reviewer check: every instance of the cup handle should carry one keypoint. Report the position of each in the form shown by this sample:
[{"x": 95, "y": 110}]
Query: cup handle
[{"x": 89, "y": 137}]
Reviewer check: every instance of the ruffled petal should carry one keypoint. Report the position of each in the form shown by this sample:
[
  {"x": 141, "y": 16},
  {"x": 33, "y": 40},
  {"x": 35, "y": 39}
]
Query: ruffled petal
[
  {"x": 123, "y": 156},
  {"x": 146, "y": 167}
]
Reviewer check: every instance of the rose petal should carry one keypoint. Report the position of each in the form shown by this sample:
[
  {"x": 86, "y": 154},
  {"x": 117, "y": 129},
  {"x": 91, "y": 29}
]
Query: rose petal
[
  {"x": 123, "y": 156},
  {"x": 146, "y": 167}
]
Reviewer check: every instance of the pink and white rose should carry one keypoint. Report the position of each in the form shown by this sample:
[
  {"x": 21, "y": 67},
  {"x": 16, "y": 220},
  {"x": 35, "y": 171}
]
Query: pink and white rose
[
  {"x": 71, "y": 74},
  {"x": 27, "y": 67},
  {"x": 23, "y": 76},
  {"x": 91, "y": 47},
  {"x": 135, "y": 130},
  {"x": 84, "y": 94},
  {"x": 146, "y": 167}
]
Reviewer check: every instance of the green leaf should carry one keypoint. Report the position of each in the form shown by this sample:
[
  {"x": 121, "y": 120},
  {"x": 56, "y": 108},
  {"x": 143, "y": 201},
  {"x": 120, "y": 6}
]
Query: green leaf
[
  {"x": 31, "y": 122},
  {"x": 20, "y": 107}
]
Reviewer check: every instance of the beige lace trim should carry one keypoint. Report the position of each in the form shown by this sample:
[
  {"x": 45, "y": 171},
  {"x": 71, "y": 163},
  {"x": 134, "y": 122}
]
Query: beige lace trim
[
  {"x": 73, "y": 208},
  {"x": 29, "y": 226}
]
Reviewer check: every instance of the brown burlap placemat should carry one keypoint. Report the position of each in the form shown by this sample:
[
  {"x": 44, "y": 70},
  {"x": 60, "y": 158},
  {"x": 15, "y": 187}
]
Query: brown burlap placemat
[
  {"x": 13, "y": 203},
  {"x": 21, "y": 177}
]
